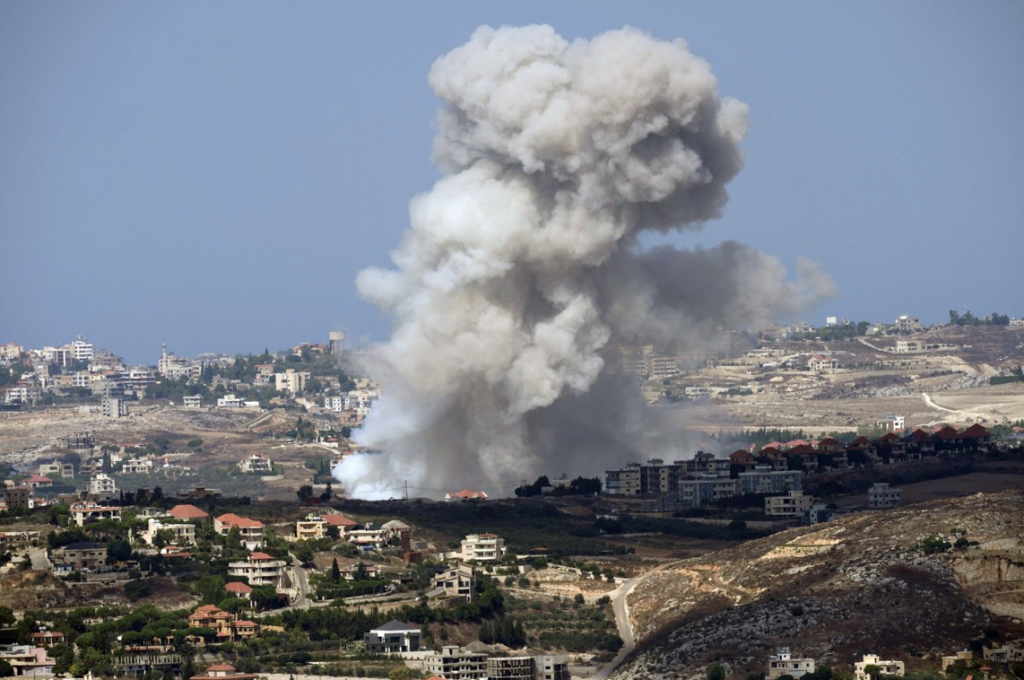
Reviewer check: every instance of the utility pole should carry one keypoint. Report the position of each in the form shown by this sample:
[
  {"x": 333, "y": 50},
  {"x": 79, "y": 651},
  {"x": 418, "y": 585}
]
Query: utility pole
[{"x": 407, "y": 489}]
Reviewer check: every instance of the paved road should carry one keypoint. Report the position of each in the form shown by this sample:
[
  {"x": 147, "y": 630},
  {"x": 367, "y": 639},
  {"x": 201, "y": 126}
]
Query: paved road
[
  {"x": 301, "y": 582},
  {"x": 40, "y": 562}
]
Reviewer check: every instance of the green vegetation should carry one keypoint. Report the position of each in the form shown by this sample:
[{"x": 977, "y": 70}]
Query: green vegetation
[{"x": 581, "y": 486}]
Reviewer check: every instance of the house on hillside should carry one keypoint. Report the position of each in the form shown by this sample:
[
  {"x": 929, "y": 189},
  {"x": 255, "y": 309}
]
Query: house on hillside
[
  {"x": 783, "y": 663},
  {"x": 886, "y": 667},
  {"x": 393, "y": 637},
  {"x": 251, "y": 530}
]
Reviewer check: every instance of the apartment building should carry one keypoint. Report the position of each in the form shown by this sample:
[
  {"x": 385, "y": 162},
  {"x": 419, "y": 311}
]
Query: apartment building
[
  {"x": 823, "y": 364},
  {"x": 192, "y": 401},
  {"x": 510, "y": 668},
  {"x": 87, "y": 511},
  {"x": 256, "y": 464},
  {"x": 483, "y": 547},
  {"x": 251, "y": 530},
  {"x": 793, "y": 504},
  {"x": 102, "y": 486},
  {"x": 764, "y": 479},
  {"x": 394, "y": 637},
  {"x": 291, "y": 381},
  {"x": 624, "y": 482},
  {"x": 551, "y": 667},
  {"x": 706, "y": 489},
  {"x": 783, "y": 663},
  {"x": 81, "y": 556},
  {"x": 881, "y": 496},
  {"x": 14, "y": 497},
  {"x": 457, "y": 581},
  {"x": 260, "y": 569},
  {"x": 184, "y": 533},
  {"x": 907, "y": 324},
  {"x": 57, "y": 469},
  {"x": 886, "y": 666}
]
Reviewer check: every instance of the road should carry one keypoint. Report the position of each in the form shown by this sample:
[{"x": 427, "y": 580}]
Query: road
[
  {"x": 301, "y": 582},
  {"x": 621, "y": 608},
  {"x": 40, "y": 562}
]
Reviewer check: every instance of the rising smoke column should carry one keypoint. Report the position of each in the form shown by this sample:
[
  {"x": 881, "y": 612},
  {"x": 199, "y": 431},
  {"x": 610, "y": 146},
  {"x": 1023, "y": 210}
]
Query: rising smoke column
[{"x": 521, "y": 267}]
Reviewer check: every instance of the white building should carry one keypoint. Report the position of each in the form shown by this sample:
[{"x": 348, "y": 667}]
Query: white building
[
  {"x": 231, "y": 401},
  {"x": 192, "y": 401},
  {"x": 907, "y": 346},
  {"x": 261, "y": 569},
  {"x": 137, "y": 466},
  {"x": 256, "y": 464},
  {"x": 881, "y": 495},
  {"x": 184, "y": 532},
  {"x": 887, "y": 666},
  {"x": 81, "y": 350},
  {"x": 907, "y": 323},
  {"x": 10, "y": 351},
  {"x": 823, "y": 364},
  {"x": 793, "y": 504},
  {"x": 291, "y": 381},
  {"x": 113, "y": 407},
  {"x": 892, "y": 422},
  {"x": 483, "y": 547},
  {"x": 393, "y": 637},
  {"x": 102, "y": 485},
  {"x": 783, "y": 663}
]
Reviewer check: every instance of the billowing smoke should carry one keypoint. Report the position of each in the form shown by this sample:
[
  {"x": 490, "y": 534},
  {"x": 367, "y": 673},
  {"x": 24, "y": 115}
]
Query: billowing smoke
[{"x": 521, "y": 271}]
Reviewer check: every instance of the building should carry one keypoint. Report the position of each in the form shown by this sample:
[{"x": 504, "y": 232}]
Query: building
[
  {"x": 187, "y": 512},
  {"x": 483, "y": 548},
  {"x": 47, "y": 638},
  {"x": 81, "y": 556},
  {"x": 1008, "y": 652},
  {"x": 37, "y": 482},
  {"x": 661, "y": 367},
  {"x": 192, "y": 401},
  {"x": 58, "y": 469},
  {"x": 103, "y": 486},
  {"x": 624, "y": 482},
  {"x": 250, "y": 530},
  {"x": 792, "y": 505},
  {"x": 551, "y": 667},
  {"x": 226, "y": 627},
  {"x": 453, "y": 663},
  {"x": 224, "y": 671},
  {"x": 892, "y": 422},
  {"x": 764, "y": 479},
  {"x": 823, "y": 364},
  {"x": 260, "y": 569},
  {"x": 392, "y": 638},
  {"x": 457, "y": 581},
  {"x": 818, "y": 513},
  {"x": 967, "y": 656},
  {"x": 256, "y": 464},
  {"x": 86, "y": 512},
  {"x": 113, "y": 407},
  {"x": 907, "y": 346},
  {"x": 238, "y": 589},
  {"x": 14, "y": 497},
  {"x": 336, "y": 341},
  {"x": 28, "y": 661},
  {"x": 182, "y": 533},
  {"x": 881, "y": 495},
  {"x": 706, "y": 489},
  {"x": 783, "y": 663},
  {"x": 10, "y": 351},
  {"x": 907, "y": 324},
  {"x": 510, "y": 668},
  {"x": 886, "y": 667},
  {"x": 291, "y": 381}
]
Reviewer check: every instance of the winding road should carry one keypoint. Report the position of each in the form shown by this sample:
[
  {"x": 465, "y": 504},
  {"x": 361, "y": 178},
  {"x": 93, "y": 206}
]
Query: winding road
[{"x": 621, "y": 608}]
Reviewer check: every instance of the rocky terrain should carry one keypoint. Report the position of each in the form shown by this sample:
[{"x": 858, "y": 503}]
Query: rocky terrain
[{"x": 835, "y": 591}]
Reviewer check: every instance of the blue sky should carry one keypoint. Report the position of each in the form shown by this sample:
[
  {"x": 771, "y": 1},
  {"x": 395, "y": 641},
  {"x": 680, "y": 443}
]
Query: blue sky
[{"x": 215, "y": 174}]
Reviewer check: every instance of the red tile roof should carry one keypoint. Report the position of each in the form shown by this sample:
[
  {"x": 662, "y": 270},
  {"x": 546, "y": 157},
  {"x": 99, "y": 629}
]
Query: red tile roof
[
  {"x": 237, "y": 587},
  {"x": 187, "y": 512},
  {"x": 260, "y": 556},
  {"x": 976, "y": 430},
  {"x": 233, "y": 520},
  {"x": 802, "y": 450},
  {"x": 339, "y": 521}
]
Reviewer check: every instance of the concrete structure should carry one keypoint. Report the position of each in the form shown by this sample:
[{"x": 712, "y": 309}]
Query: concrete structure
[
  {"x": 551, "y": 667},
  {"x": 82, "y": 556},
  {"x": 260, "y": 569},
  {"x": 184, "y": 533},
  {"x": 87, "y": 511},
  {"x": 1008, "y": 652},
  {"x": 291, "y": 381},
  {"x": 336, "y": 341},
  {"x": 28, "y": 661},
  {"x": 624, "y": 482},
  {"x": 103, "y": 486},
  {"x": 14, "y": 497},
  {"x": 892, "y": 422},
  {"x": 453, "y": 663},
  {"x": 113, "y": 407},
  {"x": 256, "y": 464},
  {"x": 57, "y": 469},
  {"x": 908, "y": 346},
  {"x": 887, "y": 666},
  {"x": 459, "y": 580},
  {"x": 823, "y": 364},
  {"x": 706, "y": 489},
  {"x": 225, "y": 671},
  {"x": 187, "y": 512},
  {"x": 967, "y": 656},
  {"x": 483, "y": 548},
  {"x": 763, "y": 479},
  {"x": 393, "y": 637},
  {"x": 465, "y": 495},
  {"x": 818, "y": 513},
  {"x": 510, "y": 668},
  {"x": 227, "y": 627},
  {"x": 792, "y": 505},
  {"x": 783, "y": 663},
  {"x": 881, "y": 495},
  {"x": 192, "y": 401},
  {"x": 907, "y": 324}
]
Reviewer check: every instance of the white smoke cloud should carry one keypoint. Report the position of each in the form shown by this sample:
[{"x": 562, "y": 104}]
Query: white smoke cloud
[{"x": 521, "y": 266}]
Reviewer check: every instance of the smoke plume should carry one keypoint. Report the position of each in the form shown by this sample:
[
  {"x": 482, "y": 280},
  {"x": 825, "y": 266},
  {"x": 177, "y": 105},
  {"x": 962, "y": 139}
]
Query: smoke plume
[{"x": 521, "y": 270}]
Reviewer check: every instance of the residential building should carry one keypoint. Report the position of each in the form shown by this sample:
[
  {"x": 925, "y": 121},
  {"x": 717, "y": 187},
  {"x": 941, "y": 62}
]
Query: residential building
[
  {"x": 392, "y": 638},
  {"x": 706, "y": 489},
  {"x": 256, "y": 464},
  {"x": 102, "y": 485},
  {"x": 28, "y": 661},
  {"x": 291, "y": 381},
  {"x": 10, "y": 351},
  {"x": 483, "y": 548},
  {"x": 184, "y": 533},
  {"x": 967, "y": 656},
  {"x": 886, "y": 666},
  {"x": 459, "y": 580},
  {"x": 551, "y": 667},
  {"x": 57, "y": 469},
  {"x": 113, "y": 407},
  {"x": 187, "y": 512},
  {"x": 260, "y": 569},
  {"x": 238, "y": 589},
  {"x": 624, "y": 482},
  {"x": 1008, "y": 652},
  {"x": 510, "y": 668},
  {"x": 192, "y": 401},
  {"x": 892, "y": 422},
  {"x": 881, "y": 495},
  {"x": 704, "y": 463},
  {"x": 81, "y": 556},
  {"x": 231, "y": 401},
  {"x": 453, "y": 663},
  {"x": 251, "y": 530},
  {"x": 818, "y": 513},
  {"x": 369, "y": 538},
  {"x": 47, "y": 638},
  {"x": 908, "y": 346},
  {"x": 907, "y": 324},
  {"x": 224, "y": 671},
  {"x": 660, "y": 367},
  {"x": 764, "y": 479},
  {"x": 791, "y": 505},
  {"x": 784, "y": 663},
  {"x": 226, "y": 626},
  {"x": 137, "y": 466},
  {"x": 15, "y": 497},
  {"x": 313, "y": 527},
  {"x": 87, "y": 512},
  {"x": 37, "y": 482},
  {"x": 823, "y": 364}
]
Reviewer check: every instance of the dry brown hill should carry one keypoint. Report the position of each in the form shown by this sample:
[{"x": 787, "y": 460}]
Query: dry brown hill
[{"x": 858, "y": 585}]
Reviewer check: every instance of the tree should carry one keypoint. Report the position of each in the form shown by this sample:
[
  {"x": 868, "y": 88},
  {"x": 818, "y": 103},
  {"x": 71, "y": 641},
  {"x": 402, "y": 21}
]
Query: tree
[
  {"x": 335, "y": 572},
  {"x": 873, "y": 670},
  {"x": 194, "y": 443},
  {"x": 118, "y": 550},
  {"x": 6, "y": 670},
  {"x": 135, "y": 590},
  {"x": 327, "y": 494},
  {"x": 305, "y": 492},
  {"x": 361, "y": 574},
  {"x": 304, "y": 552},
  {"x": 715, "y": 672}
]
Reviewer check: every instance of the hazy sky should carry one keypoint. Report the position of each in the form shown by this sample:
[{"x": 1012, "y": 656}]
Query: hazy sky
[{"x": 215, "y": 174}]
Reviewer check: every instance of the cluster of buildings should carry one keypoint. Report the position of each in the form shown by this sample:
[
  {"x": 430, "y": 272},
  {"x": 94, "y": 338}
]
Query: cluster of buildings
[
  {"x": 353, "y": 406},
  {"x": 452, "y": 661},
  {"x": 648, "y": 362},
  {"x": 869, "y": 667}
]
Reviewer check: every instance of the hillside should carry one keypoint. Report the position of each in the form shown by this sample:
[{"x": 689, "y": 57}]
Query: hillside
[{"x": 861, "y": 584}]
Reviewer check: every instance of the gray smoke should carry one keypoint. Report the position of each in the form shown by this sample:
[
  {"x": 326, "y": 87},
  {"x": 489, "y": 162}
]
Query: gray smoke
[{"x": 521, "y": 270}]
